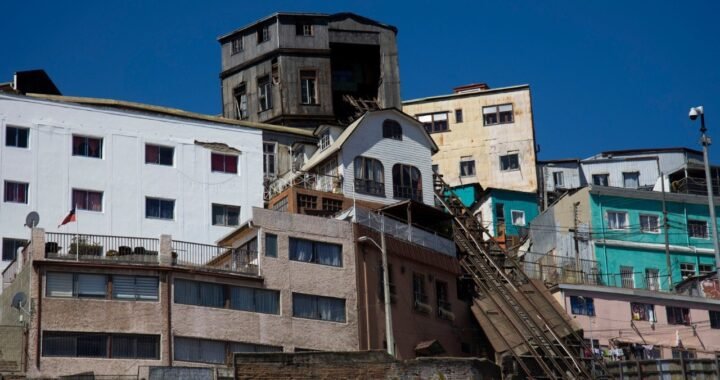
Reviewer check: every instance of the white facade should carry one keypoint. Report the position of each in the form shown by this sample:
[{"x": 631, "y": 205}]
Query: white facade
[{"x": 51, "y": 170}]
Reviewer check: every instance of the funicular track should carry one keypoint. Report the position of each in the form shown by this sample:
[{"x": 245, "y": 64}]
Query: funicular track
[{"x": 550, "y": 347}]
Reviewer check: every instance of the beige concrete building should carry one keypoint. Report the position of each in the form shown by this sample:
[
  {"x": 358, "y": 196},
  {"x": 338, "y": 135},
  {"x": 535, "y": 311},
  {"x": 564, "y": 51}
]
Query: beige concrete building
[{"x": 485, "y": 135}]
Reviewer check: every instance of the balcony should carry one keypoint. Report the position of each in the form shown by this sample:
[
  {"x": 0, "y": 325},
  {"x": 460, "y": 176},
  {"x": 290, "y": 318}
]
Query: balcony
[
  {"x": 104, "y": 249},
  {"x": 304, "y": 180}
]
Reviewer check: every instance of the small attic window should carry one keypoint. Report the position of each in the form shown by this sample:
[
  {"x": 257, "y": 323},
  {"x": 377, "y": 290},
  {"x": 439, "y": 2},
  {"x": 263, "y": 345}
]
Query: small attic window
[
  {"x": 392, "y": 130},
  {"x": 324, "y": 141}
]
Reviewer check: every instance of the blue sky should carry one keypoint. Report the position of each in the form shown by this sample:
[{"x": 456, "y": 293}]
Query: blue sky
[{"x": 604, "y": 75}]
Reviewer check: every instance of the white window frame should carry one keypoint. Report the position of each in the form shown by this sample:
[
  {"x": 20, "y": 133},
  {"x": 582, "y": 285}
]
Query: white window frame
[
  {"x": 606, "y": 175},
  {"x": 654, "y": 229},
  {"x": 264, "y": 88},
  {"x": 274, "y": 155},
  {"x": 625, "y": 176},
  {"x": 613, "y": 215},
  {"x": 558, "y": 184},
  {"x": 687, "y": 270},
  {"x": 512, "y": 218},
  {"x": 308, "y": 96},
  {"x": 324, "y": 140}
]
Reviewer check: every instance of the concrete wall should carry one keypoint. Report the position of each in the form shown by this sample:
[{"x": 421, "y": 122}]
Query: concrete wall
[
  {"x": 484, "y": 143},
  {"x": 359, "y": 365},
  {"x": 613, "y": 321},
  {"x": 121, "y": 174},
  {"x": 367, "y": 141}
]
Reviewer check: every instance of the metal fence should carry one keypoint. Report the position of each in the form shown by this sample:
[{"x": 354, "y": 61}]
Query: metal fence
[
  {"x": 402, "y": 230},
  {"x": 101, "y": 248},
  {"x": 695, "y": 369},
  {"x": 214, "y": 257}
]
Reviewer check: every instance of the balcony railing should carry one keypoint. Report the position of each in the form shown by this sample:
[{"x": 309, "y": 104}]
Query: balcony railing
[
  {"x": 693, "y": 185},
  {"x": 304, "y": 180},
  {"x": 366, "y": 186},
  {"x": 212, "y": 257},
  {"x": 84, "y": 247},
  {"x": 407, "y": 192}
]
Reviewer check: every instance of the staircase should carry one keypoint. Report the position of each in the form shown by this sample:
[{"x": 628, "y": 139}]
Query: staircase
[{"x": 521, "y": 318}]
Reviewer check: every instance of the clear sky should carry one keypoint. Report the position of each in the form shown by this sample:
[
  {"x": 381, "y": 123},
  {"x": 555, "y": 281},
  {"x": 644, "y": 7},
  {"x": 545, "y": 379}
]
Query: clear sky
[{"x": 604, "y": 75}]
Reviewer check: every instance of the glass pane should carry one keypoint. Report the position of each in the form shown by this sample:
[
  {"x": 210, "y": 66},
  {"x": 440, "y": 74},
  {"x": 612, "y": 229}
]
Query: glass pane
[
  {"x": 151, "y": 154},
  {"x": 218, "y": 215},
  {"x": 270, "y": 245},
  {"x": 304, "y": 306},
  {"x": 123, "y": 346},
  {"x": 59, "y": 344},
  {"x": 187, "y": 292},
  {"x": 231, "y": 164},
  {"x": 301, "y": 250},
  {"x": 233, "y": 216},
  {"x": 242, "y": 299},
  {"x": 328, "y": 254},
  {"x": 211, "y": 295},
  {"x": 91, "y": 285},
  {"x": 123, "y": 287},
  {"x": 59, "y": 284},
  {"x": 146, "y": 288},
  {"x": 92, "y": 345},
  {"x": 267, "y": 301}
]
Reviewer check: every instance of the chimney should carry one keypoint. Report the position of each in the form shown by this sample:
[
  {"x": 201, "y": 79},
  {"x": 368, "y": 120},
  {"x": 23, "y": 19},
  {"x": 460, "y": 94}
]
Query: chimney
[{"x": 473, "y": 87}]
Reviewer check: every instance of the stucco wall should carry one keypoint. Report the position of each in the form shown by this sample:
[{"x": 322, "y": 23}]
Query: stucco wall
[{"x": 484, "y": 143}]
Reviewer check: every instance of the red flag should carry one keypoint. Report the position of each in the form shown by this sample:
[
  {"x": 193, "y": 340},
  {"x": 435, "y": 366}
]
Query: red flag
[{"x": 69, "y": 218}]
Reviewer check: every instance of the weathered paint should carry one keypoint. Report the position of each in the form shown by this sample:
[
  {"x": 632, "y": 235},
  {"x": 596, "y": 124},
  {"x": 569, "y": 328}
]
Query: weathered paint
[{"x": 511, "y": 201}]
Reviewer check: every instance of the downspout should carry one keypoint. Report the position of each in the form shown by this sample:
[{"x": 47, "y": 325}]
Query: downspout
[{"x": 169, "y": 317}]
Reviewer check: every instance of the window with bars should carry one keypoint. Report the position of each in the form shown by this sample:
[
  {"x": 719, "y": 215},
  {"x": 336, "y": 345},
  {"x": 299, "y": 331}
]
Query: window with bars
[
  {"x": 627, "y": 277},
  {"x": 434, "y": 123},
  {"x": 17, "y": 137},
  {"x": 87, "y": 200},
  {"x": 15, "y": 192},
  {"x": 159, "y": 155},
  {"x": 87, "y": 146},
  {"x": 307, "y": 202},
  {"x": 697, "y": 229},
  {"x": 501, "y": 114},
  {"x": 652, "y": 279}
]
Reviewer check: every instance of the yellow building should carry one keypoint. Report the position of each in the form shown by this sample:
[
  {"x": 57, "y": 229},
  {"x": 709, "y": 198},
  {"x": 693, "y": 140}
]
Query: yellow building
[{"x": 485, "y": 135}]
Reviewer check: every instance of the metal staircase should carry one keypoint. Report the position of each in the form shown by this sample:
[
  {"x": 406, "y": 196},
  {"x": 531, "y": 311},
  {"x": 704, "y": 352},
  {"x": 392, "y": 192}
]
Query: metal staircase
[{"x": 547, "y": 345}]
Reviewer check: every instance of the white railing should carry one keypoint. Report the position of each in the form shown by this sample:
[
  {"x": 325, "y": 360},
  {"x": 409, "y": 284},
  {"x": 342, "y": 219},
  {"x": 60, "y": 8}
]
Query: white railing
[
  {"x": 402, "y": 230},
  {"x": 311, "y": 181}
]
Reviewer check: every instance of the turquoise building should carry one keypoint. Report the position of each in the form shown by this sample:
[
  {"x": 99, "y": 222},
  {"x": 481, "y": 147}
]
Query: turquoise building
[{"x": 628, "y": 233}]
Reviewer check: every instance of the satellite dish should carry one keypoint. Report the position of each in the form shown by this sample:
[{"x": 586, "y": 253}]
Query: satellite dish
[
  {"x": 18, "y": 301},
  {"x": 32, "y": 219}
]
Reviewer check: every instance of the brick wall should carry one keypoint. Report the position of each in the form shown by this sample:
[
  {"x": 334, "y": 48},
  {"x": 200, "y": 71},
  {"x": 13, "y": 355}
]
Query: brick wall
[{"x": 358, "y": 365}]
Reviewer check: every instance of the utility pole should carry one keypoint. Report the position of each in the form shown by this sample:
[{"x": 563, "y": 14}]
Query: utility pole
[
  {"x": 575, "y": 236},
  {"x": 666, "y": 226}
]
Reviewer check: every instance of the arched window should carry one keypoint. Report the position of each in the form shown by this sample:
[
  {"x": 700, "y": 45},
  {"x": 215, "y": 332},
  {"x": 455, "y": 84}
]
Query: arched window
[
  {"x": 369, "y": 176},
  {"x": 392, "y": 130},
  {"x": 407, "y": 182}
]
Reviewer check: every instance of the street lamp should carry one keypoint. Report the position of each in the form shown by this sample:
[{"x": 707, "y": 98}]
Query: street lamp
[
  {"x": 386, "y": 288},
  {"x": 705, "y": 141}
]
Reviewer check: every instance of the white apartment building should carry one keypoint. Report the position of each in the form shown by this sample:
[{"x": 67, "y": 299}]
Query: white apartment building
[{"x": 128, "y": 169}]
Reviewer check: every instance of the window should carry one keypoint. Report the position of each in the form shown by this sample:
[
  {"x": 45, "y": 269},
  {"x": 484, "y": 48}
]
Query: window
[
  {"x": 558, "y": 180},
  {"x": 650, "y": 223},
  {"x": 652, "y": 279},
  {"x": 407, "y": 182},
  {"x": 271, "y": 245},
  {"x": 678, "y": 352},
  {"x": 600, "y": 179},
  {"x": 467, "y": 166},
  {"x": 308, "y": 88},
  {"x": 443, "y": 299},
  {"x": 241, "y": 101},
  {"x": 369, "y": 176},
  {"x": 95, "y": 345},
  {"x": 714, "y": 319},
  {"x": 582, "y": 305},
  {"x": 419, "y": 293},
  {"x": 627, "y": 277},
  {"x": 10, "y": 248},
  {"x": 706, "y": 269},
  {"x": 159, "y": 155},
  {"x": 642, "y": 312},
  {"x": 87, "y": 200},
  {"x": 678, "y": 315},
  {"x": 315, "y": 252},
  {"x": 687, "y": 270},
  {"x": 617, "y": 220},
  {"x": 500, "y": 212},
  {"x": 498, "y": 114},
  {"x": 318, "y": 307},
  {"x": 75, "y": 285},
  {"x": 509, "y": 162},
  {"x": 138, "y": 288},
  {"x": 458, "y": 116},
  {"x": 281, "y": 205},
  {"x": 436, "y": 168},
  {"x": 156, "y": 208},
  {"x": 263, "y": 34},
  {"x": 631, "y": 180},
  {"x": 16, "y": 192},
  {"x": 304, "y": 29},
  {"x": 392, "y": 130},
  {"x": 87, "y": 146},
  {"x": 213, "y": 351},
  {"x": 307, "y": 202},
  {"x": 269, "y": 158},
  {"x": 332, "y": 205},
  {"x": 17, "y": 137},
  {"x": 209, "y": 294},
  {"x": 436, "y": 122},
  {"x": 697, "y": 229},
  {"x": 224, "y": 215},
  {"x": 324, "y": 140},
  {"x": 264, "y": 93},
  {"x": 518, "y": 217},
  {"x": 224, "y": 163},
  {"x": 237, "y": 45}
]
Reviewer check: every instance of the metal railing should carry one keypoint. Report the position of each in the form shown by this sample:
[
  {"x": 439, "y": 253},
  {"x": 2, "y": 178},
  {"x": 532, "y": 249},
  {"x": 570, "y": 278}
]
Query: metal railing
[
  {"x": 101, "y": 248},
  {"x": 304, "y": 180},
  {"x": 212, "y": 257},
  {"x": 407, "y": 192},
  {"x": 694, "y": 185}
]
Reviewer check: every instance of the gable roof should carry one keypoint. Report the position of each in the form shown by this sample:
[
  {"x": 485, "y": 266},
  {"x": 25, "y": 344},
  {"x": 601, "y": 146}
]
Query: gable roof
[{"x": 340, "y": 141}]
